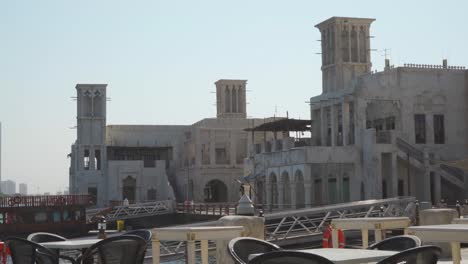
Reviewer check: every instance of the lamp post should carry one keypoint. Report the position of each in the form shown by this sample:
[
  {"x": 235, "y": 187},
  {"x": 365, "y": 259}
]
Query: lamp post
[{"x": 102, "y": 228}]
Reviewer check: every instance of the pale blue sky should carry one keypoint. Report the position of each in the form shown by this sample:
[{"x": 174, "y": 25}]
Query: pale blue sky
[{"x": 160, "y": 60}]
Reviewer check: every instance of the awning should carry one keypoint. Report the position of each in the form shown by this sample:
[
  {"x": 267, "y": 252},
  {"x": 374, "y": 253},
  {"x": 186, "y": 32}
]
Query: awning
[{"x": 283, "y": 125}]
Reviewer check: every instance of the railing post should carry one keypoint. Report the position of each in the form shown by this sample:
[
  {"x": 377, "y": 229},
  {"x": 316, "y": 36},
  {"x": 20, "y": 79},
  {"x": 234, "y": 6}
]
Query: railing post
[
  {"x": 417, "y": 213},
  {"x": 190, "y": 247},
  {"x": 458, "y": 206}
]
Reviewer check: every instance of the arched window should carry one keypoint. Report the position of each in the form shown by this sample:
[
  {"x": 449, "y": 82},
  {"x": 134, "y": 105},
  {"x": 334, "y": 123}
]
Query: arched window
[
  {"x": 363, "y": 45},
  {"x": 234, "y": 99},
  {"x": 345, "y": 44},
  {"x": 274, "y": 190},
  {"x": 300, "y": 192},
  {"x": 227, "y": 100},
  {"x": 354, "y": 45},
  {"x": 286, "y": 190},
  {"x": 240, "y": 100}
]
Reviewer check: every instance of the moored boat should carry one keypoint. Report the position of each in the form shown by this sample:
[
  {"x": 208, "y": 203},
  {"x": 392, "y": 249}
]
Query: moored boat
[{"x": 61, "y": 214}]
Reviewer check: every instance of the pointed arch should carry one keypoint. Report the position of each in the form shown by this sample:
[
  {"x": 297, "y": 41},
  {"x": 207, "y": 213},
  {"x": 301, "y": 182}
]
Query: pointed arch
[
  {"x": 354, "y": 45},
  {"x": 234, "y": 99},
  {"x": 274, "y": 190},
  {"x": 345, "y": 44},
  {"x": 286, "y": 189},
  {"x": 300, "y": 191},
  {"x": 362, "y": 45},
  {"x": 227, "y": 100}
]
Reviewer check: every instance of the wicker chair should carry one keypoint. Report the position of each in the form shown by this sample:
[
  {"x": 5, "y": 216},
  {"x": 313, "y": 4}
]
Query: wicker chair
[
  {"x": 289, "y": 257},
  {"x": 397, "y": 243},
  {"x": 25, "y": 251},
  {"x": 240, "y": 248},
  {"x": 419, "y": 255},
  {"x": 124, "y": 249}
]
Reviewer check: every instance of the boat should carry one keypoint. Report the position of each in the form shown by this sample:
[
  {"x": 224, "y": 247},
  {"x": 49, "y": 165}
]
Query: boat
[{"x": 60, "y": 214}]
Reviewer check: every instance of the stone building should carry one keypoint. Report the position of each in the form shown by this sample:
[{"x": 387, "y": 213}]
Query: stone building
[
  {"x": 201, "y": 162},
  {"x": 373, "y": 134}
]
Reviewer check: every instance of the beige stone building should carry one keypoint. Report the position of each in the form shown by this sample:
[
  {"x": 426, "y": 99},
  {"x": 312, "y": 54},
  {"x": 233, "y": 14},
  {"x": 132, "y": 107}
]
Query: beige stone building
[
  {"x": 201, "y": 162},
  {"x": 373, "y": 134}
]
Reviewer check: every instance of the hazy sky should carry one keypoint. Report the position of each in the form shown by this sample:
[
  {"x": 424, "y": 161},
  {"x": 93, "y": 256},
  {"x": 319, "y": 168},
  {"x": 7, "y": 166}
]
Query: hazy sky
[{"x": 161, "y": 58}]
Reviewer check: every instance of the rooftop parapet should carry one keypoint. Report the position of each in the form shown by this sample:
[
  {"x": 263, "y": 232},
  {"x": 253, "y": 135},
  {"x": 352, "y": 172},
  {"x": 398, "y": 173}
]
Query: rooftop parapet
[{"x": 432, "y": 66}]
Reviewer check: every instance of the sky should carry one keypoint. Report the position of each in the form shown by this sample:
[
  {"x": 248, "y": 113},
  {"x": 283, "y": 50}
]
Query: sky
[{"x": 160, "y": 60}]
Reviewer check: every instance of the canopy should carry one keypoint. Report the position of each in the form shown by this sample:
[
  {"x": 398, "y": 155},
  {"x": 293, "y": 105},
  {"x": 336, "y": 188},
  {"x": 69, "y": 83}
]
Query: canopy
[{"x": 283, "y": 125}]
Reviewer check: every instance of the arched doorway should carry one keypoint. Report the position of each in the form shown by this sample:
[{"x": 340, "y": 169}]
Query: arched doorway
[
  {"x": 129, "y": 188},
  {"x": 151, "y": 195},
  {"x": 286, "y": 190},
  {"x": 215, "y": 192},
  {"x": 300, "y": 192},
  {"x": 260, "y": 191},
  {"x": 274, "y": 190}
]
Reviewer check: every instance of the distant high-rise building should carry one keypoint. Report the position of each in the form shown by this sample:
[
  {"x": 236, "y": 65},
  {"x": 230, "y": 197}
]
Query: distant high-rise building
[
  {"x": 23, "y": 188},
  {"x": 47, "y": 193},
  {"x": 0, "y": 151},
  {"x": 59, "y": 193},
  {"x": 8, "y": 187}
]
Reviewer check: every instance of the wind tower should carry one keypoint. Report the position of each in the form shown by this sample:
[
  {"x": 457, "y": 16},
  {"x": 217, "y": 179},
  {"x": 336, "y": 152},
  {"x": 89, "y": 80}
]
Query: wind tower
[
  {"x": 230, "y": 98},
  {"x": 345, "y": 51},
  {"x": 89, "y": 150}
]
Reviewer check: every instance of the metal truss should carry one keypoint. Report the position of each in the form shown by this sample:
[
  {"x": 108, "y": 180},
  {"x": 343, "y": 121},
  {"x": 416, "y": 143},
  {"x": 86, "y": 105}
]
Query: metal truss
[
  {"x": 305, "y": 222},
  {"x": 132, "y": 211}
]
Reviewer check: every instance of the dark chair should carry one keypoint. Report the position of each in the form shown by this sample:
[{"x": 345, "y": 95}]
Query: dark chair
[
  {"x": 143, "y": 233},
  {"x": 24, "y": 251},
  {"x": 240, "y": 248},
  {"x": 419, "y": 255},
  {"x": 397, "y": 243},
  {"x": 289, "y": 257},
  {"x": 124, "y": 249}
]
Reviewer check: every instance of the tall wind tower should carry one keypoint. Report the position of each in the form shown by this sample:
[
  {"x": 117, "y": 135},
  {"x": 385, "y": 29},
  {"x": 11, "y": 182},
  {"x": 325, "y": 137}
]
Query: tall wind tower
[
  {"x": 345, "y": 51},
  {"x": 230, "y": 98},
  {"x": 89, "y": 150}
]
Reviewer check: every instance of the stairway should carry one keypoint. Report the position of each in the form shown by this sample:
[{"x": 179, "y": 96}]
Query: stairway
[{"x": 451, "y": 174}]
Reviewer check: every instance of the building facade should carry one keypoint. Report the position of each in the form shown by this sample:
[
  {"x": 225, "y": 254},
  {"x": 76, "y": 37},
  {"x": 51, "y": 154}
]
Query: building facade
[
  {"x": 23, "y": 189},
  {"x": 8, "y": 187},
  {"x": 201, "y": 162},
  {"x": 373, "y": 134}
]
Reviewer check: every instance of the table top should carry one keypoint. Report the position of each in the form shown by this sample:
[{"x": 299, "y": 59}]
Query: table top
[
  {"x": 460, "y": 220},
  {"x": 71, "y": 244},
  {"x": 371, "y": 219},
  {"x": 441, "y": 233},
  {"x": 347, "y": 255},
  {"x": 371, "y": 223},
  {"x": 441, "y": 228}
]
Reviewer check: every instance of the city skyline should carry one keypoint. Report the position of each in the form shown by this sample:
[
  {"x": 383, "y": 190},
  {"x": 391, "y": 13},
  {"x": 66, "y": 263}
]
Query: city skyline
[{"x": 161, "y": 59}]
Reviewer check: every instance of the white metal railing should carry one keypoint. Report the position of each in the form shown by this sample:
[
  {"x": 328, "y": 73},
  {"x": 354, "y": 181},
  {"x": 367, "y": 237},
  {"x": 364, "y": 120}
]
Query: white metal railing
[
  {"x": 189, "y": 236},
  {"x": 133, "y": 210},
  {"x": 296, "y": 223}
]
